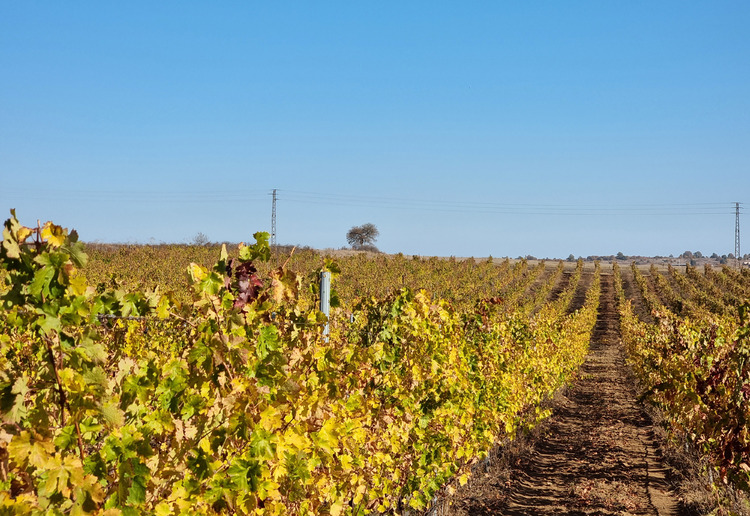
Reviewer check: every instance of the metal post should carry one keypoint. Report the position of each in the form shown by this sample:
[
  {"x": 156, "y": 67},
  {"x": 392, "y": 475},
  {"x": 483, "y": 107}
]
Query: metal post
[
  {"x": 325, "y": 298},
  {"x": 273, "y": 219},
  {"x": 737, "y": 255}
]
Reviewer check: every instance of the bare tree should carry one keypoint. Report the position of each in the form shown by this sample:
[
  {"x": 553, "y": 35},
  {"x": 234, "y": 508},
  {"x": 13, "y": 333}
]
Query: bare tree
[
  {"x": 362, "y": 238},
  {"x": 200, "y": 239}
]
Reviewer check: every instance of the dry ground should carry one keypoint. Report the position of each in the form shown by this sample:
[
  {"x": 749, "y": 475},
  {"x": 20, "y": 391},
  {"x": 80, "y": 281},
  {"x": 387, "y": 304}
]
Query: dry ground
[{"x": 596, "y": 454}]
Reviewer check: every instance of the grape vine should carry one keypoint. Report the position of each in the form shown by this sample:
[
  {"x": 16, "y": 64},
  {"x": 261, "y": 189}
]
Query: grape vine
[{"x": 116, "y": 401}]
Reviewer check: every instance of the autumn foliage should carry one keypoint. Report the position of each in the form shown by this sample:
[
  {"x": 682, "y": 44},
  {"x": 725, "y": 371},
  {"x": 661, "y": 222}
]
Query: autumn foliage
[{"x": 129, "y": 402}]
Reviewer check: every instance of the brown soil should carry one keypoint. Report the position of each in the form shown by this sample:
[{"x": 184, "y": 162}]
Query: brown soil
[
  {"x": 633, "y": 293},
  {"x": 540, "y": 282},
  {"x": 579, "y": 298},
  {"x": 561, "y": 285},
  {"x": 596, "y": 454}
]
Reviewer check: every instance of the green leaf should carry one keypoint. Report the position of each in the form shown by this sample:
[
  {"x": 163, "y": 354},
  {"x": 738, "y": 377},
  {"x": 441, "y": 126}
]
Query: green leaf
[
  {"x": 268, "y": 341},
  {"x": 262, "y": 444},
  {"x": 75, "y": 251},
  {"x": 50, "y": 323},
  {"x": 94, "y": 351},
  {"x": 199, "y": 463},
  {"x": 40, "y": 285},
  {"x": 95, "y": 377},
  {"x": 137, "y": 491},
  {"x": 335, "y": 299},
  {"x": 90, "y": 426},
  {"x": 330, "y": 265},
  {"x": 259, "y": 251},
  {"x": 66, "y": 438},
  {"x": 7, "y": 398},
  {"x": 244, "y": 475},
  {"x": 15, "y": 399},
  {"x": 94, "y": 465},
  {"x": 211, "y": 284}
]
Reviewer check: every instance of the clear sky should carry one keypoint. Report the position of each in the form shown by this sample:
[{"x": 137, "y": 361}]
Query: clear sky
[{"x": 457, "y": 128}]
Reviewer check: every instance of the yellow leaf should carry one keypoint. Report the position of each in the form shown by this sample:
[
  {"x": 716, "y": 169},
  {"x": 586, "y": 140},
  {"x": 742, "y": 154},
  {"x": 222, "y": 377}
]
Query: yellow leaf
[
  {"x": 53, "y": 234},
  {"x": 197, "y": 272},
  {"x": 57, "y": 478},
  {"x": 326, "y": 437},
  {"x": 74, "y": 467},
  {"x": 270, "y": 419},
  {"x": 77, "y": 285},
  {"x": 162, "y": 509},
  {"x": 89, "y": 485},
  {"x": 346, "y": 462},
  {"x": 269, "y": 490},
  {"x": 24, "y": 233},
  {"x": 162, "y": 307},
  {"x": 23, "y": 448},
  {"x": 277, "y": 288},
  {"x": 96, "y": 491},
  {"x": 298, "y": 441},
  {"x": 337, "y": 508},
  {"x": 463, "y": 479}
]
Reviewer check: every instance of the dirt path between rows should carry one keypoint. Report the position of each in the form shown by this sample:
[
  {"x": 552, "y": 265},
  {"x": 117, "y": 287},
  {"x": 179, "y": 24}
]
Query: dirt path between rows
[
  {"x": 595, "y": 455},
  {"x": 633, "y": 293}
]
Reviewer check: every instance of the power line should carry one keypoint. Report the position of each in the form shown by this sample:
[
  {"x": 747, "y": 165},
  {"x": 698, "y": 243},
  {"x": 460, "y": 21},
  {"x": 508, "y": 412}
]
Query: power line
[
  {"x": 358, "y": 198},
  {"x": 177, "y": 197},
  {"x": 506, "y": 208},
  {"x": 360, "y": 201}
]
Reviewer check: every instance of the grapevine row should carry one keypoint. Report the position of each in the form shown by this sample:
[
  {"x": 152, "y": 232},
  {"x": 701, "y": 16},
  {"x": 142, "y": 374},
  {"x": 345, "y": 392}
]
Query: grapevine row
[
  {"x": 237, "y": 403},
  {"x": 696, "y": 368}
]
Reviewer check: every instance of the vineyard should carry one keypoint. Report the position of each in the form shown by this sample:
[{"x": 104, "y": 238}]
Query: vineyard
[{"x": 200, "y": 380}]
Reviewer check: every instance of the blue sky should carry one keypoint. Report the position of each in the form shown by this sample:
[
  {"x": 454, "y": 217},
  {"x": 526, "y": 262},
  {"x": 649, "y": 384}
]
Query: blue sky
[{"x": 463, "y": 128}]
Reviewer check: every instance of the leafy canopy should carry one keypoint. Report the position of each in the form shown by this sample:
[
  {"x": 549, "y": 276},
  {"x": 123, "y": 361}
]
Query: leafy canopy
[{"x": 362, "y": 238}]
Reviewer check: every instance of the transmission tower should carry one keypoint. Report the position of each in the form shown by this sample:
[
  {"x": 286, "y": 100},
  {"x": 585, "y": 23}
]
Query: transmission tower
[
  {"x": 737, "y": 254},
  {"x": 273, "y": 218}
]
